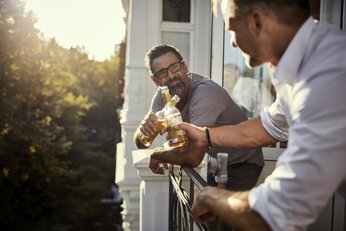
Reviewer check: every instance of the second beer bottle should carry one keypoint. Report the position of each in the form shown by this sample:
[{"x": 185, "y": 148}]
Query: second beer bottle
[{"x": 172, "y": 116}]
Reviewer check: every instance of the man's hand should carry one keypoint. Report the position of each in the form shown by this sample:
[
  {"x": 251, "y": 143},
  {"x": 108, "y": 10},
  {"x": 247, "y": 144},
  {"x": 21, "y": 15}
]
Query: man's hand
[
  {"x": 157, "y": 166},
  {"x": 188, "y": 155},
  {"x": 148, "y": 124},
  {"x": 149, "y": 127},
  {"x": 196, "y": 135},
  {"x": 230, "y": 207},
  {"x": 201, "y": 210}
]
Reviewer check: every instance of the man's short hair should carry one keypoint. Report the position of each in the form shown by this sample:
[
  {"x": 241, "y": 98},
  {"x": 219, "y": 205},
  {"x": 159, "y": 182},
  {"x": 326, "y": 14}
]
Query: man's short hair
[
  {"x": 157, "y": 51},
  {"x": 286, "y": 11}
]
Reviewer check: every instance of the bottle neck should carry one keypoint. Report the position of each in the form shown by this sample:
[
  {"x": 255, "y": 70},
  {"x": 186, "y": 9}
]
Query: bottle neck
[
  {"x": 175, "y": 100},
  {"x": 166, "y": 96}
]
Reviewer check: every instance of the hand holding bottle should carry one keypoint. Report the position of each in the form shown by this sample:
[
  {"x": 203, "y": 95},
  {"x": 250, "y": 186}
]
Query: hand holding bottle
[
  {"x": 150, "y": 127},
  {"x": 154, "y": 123}
]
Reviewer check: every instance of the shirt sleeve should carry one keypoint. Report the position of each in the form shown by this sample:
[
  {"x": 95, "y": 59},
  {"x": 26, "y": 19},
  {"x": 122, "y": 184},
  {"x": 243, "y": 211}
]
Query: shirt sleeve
[
  {"x": 274, "y": 121},
  {"x": 156, "y": 101},
  {"x": 313, "y": 166},
  {"x": 303, "y": 181}
]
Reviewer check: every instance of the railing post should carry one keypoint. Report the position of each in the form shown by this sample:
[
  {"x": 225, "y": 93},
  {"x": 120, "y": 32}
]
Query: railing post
[
  {"x": 172, "y": 226},
  {"x": 153, "y": 214},
  {"x": 218, "y": 167}
]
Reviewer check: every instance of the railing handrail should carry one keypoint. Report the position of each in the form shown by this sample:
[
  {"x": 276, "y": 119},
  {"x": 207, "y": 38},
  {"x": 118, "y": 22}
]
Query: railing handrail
[{"x": 195, "y": 177}]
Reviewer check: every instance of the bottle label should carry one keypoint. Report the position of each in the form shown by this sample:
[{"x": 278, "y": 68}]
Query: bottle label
[
  {"x": 178, "y": 137},
  {"x": 174, "y": 119}
]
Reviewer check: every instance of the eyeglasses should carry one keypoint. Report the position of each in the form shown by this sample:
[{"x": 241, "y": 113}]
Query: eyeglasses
[{"x": 175, "y": 67}]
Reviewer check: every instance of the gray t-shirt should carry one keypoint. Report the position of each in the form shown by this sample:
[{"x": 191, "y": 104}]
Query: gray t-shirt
[{"x": 210, "y": 105}]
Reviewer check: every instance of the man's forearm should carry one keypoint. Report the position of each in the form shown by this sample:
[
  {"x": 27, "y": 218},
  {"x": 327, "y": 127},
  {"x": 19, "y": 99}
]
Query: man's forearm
[
  {"x": 230, "y": 207},
  {"x": 248, "y": 134},
  {"x": 242, "y": 216},
  {"x": 179, "y": 156}
]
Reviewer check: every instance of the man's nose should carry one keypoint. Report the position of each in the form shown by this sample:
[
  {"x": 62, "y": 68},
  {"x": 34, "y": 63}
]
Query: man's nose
[{"x": 170, "y": 74}]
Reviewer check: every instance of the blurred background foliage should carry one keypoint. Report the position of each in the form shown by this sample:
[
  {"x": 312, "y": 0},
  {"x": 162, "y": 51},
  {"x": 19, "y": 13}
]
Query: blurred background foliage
[{"x": 58, "y": 130}]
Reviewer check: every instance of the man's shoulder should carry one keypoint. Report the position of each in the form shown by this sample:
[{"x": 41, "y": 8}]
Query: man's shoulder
[
  {"x": 210, "y": 93},
  {"x": 327, "y": 42},
  {"x": 204, "y": 83}
]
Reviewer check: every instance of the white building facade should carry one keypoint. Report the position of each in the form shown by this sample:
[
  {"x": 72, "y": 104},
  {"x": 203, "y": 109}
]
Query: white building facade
[{"x": 191, "y": 33}]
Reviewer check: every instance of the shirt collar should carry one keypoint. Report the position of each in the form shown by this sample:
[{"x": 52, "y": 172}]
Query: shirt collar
[{"x": 288, "y": 67}]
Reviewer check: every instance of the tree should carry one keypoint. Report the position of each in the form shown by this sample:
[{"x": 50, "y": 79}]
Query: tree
[{"x": 53, "y": 171}]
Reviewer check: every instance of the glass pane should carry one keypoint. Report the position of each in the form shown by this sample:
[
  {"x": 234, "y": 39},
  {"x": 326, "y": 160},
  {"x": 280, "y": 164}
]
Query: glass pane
[
  {"x": 176, "y": 10},
  {"x": 250, "y": 88},
  {"x": 332, "y": 12},
  {"x": 180, "y": 40}
]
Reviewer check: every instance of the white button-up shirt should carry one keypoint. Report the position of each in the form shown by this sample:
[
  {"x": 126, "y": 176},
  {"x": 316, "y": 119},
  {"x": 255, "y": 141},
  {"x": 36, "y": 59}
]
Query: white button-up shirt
[{"x": 309, "y": 112}]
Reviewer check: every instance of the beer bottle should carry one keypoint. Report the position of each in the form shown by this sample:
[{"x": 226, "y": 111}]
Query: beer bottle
[
  {"x": 161, "y": 122},
  {"x": 173, "y": 117}
]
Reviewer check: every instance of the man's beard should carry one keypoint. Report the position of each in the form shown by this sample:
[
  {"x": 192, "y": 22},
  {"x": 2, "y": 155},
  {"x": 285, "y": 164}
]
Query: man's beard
[{"x": 178, "y": 87}]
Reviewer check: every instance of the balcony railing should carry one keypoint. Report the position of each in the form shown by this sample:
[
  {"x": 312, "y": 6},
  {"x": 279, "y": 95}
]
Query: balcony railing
[{"x": 180, "y": 201}]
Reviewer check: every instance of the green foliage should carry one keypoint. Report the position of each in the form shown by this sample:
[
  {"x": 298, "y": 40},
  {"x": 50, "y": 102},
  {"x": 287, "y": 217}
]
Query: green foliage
[{"x": 58, "y": 129}]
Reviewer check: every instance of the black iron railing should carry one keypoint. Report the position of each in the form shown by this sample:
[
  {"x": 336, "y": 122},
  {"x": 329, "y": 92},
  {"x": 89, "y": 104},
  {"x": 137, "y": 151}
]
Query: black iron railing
[{"x": 180, "y": 202}]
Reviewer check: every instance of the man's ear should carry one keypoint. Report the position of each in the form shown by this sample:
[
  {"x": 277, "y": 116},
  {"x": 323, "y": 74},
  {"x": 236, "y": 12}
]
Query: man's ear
[
  {"x": 154, "y": 80},
  {"x": 185, "y": 64},
  {"x": 255, "y": 19}
]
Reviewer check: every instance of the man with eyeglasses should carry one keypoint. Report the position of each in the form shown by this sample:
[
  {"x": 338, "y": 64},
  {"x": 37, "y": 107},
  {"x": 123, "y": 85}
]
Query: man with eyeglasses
[{"x": 203, "y": 103}]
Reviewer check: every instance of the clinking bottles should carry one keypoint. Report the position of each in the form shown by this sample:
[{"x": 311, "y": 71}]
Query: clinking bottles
[
  {"x": 173, "y": 117},
  {"x": 161, "y": 123}
]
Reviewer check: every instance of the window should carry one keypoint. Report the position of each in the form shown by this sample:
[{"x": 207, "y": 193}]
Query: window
[
  {"x": 176, "y": 10},
  {"x": 250, "y": 88},
  {"x": 333, "y": 12},
  {"x": 181, "y": 40},
  {"x": 177, "y": 25}
]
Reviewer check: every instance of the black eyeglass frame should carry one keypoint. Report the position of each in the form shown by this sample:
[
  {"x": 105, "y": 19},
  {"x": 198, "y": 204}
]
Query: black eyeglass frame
[{"x": 157, "y": 74}]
